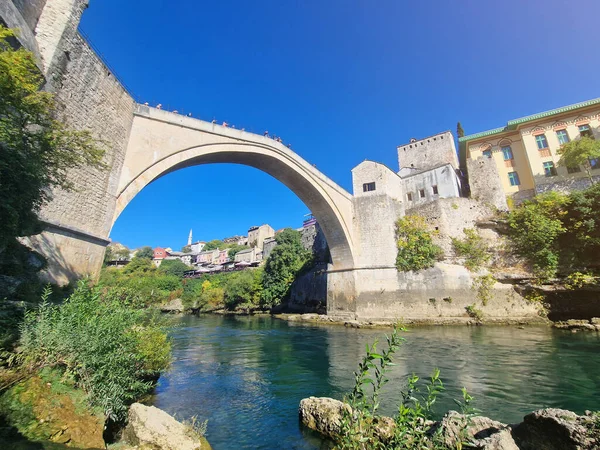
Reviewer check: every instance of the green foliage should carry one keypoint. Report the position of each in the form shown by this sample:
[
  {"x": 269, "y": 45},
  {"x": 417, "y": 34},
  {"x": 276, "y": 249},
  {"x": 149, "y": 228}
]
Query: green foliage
[
  {"x": 186, "y": 249},
  {"x": 473, "y": 248},
  {"x": 214, "y": 245},
  {"x": 173, "y": 267},
  {"x": 416, "y": 250},
  {"x": 580, "y": 244},
  {"x": 108, "y": 347},
  {"x": 284, "y": 264},
  {"x": 578, "y": 280},
  {"x": 139, "y": 265},
  {"x": 360, "y": 426},
  {"x": 459, "y": 130},
  {"x": 535, "y": 228},
  {"x": 483, "y": 286},
  {"x": 578, "y": 153},
  {"x": 474, "y": 312},
  {"x": 36, "y": 151},
  {"x": 243, "y": 289},
  {"x": 145, "y": 252}
]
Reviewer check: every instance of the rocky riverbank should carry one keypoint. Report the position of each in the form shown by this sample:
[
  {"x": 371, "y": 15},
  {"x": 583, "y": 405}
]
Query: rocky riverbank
[{"x": 545, "y": 429}]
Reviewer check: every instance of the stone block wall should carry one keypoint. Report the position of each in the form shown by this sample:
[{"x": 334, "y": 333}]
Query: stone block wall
[
  {"x": 31, "y": 10},
  {"x": 89, "y": 97},
  {"x": 440, "y": 294},
  {"x": 450, "y": 216},
  {"x": 427, "y": 153},
  {"x": 484, "y": 180},
  {"x": 566, "y": 186}
]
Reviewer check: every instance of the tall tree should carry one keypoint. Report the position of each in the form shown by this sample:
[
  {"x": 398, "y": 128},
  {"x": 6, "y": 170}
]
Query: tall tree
[
  {"x": 145, "y": 252},
  {"x": 581, "y": 152},
  {"x": 36, "y": 151},
  {"x": 459, "y": 130}
]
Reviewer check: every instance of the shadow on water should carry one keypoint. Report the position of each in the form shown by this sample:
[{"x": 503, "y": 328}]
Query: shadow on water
[{"x": 247, "y": 375}]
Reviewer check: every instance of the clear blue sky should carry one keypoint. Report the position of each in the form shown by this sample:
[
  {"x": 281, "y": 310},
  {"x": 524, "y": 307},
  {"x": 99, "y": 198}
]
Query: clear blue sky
[{"x": 342, "y": 80}]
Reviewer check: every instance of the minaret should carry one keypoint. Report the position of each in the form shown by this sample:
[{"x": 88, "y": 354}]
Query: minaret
[{"x": 190, "y": 238}]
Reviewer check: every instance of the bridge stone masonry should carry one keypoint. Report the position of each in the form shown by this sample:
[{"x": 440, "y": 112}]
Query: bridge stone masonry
[{"x": 144, "y": 143}]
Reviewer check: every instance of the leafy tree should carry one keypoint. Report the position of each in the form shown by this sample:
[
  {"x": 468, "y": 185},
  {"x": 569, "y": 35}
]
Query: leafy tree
[
  {"x": 459, "y": 130},
  {"x": 122, "y": 254},
  {"x": 284, "y": 264},
  {"x": 535, "y": 228},
  {"x": 145, "y": 252},
  {"x": 173, "y": 267},
  {"x": 36, "y": 151},
  {"x": 580, "y": 244},
  {"x": 214, "y": 245},
  {"x": 416, "y": 250},
  {"x": 580, "y": 153},
  {"x": 186, "y": 249},
  {"x": 108, "y": 255},
  {"x": 139, "y": 265},
  {"x": 243, "y": 289}
]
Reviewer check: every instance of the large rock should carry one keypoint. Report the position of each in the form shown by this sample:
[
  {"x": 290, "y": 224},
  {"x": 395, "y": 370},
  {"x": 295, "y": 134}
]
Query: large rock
[
  {"x": 174, "y": 306},
  {"x": 555, "y": 429},
  {"x": 322, "y": 414},
  {"x": 153, "y": 429},
  {"x": 483, "y": 432}
]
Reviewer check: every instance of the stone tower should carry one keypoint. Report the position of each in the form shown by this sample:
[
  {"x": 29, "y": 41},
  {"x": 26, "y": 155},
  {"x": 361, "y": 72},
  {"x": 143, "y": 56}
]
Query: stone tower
[{"x": 190, "y": 238}]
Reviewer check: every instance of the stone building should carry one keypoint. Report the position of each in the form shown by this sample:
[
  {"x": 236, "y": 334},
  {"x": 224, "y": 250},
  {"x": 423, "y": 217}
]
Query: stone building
[
  {"x": 429, "y": 169},
  {"x": 525, "y": 152},
  {"x": 208, "y": 257},
  {"x": 197, "y": 246},
  {"x": 257, "y": 235},
  {"x": 268, "y": 245},
  {"x": 251, "y": 256}
]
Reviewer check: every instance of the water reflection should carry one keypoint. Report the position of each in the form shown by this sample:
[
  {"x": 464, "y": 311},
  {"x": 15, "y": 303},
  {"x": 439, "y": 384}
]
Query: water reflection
[{"x": 247, "y": 375}]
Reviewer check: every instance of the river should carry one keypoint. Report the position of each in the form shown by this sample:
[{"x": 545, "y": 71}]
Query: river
[{"x": 247, "y": 375}]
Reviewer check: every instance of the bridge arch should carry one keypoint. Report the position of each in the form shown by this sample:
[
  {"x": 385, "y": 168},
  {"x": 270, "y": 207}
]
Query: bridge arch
[{"x": 161, "y": 142}]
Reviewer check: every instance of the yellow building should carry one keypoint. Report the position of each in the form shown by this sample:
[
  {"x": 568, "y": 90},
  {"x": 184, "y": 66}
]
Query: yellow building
[{"x": 525, "y": 151}]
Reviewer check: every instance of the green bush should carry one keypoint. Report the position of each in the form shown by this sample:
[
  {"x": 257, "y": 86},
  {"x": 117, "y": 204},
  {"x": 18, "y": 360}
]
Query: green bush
[
  {"x": 474, "y": 312},
  {"x": 535, "y": 228},
  {"x": 473, "y": 248},
  {"x": 416, "y": 250},
  {"x": 108, "y": 347},
  {"x": 243, "y": 289},
  {"x": 483, "y": 286},
  {"x": 173, "y": 267}
]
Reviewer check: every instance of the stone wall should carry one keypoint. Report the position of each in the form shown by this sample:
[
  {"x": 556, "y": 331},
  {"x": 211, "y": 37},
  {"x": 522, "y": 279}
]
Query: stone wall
[
  {"x": 313, "y": 239},
  {"x": 565, "y": 186},
  {"x": 444, "y": 178},
  {"x": 425, "y": 154},
  {"x": 450, "y": 216},
  {"x": 31, "y": 10},
  {"x": 440, "y": 294},
  {"x": 485, "y": 182},
  {"x": 309, "y": 291},
  {"x": 89, "y": 98}
]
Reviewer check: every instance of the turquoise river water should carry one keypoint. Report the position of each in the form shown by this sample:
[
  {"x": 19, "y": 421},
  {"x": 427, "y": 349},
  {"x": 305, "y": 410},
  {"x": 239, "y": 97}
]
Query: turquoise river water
[{"x": 247, "y": 375}]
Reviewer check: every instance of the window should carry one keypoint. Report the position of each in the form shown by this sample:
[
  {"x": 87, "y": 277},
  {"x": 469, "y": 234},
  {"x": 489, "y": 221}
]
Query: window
[
  {"x": 586, "y": 131},
  {"x": 422, "y": 193},
  {"x": 487, "y": 153},
  {"x": 367, "y": 187},
  {"x": 513, "y": 178},
  {"x": 435, "y": 190},
  {"x": 409, "y": 196},
  {"x": 573, "y": 169},
  {"x": 562, "y": 136},
  {"x": 507, "y": 153},
  {"x": 541, "y": 141},
  {"x": 549, "y": 169}
]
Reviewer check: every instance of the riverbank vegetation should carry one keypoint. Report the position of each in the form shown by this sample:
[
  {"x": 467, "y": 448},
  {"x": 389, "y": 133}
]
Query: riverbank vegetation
[
  {"x": 99, "y": 349},
  {"x": 248, "y": 290},
  {"x": 559, "y": 234},
  {"x": 413, "y": 427}
]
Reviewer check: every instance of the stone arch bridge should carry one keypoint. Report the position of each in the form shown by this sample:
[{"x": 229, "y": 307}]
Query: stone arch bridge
[{"x": 161, "y": 142}]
